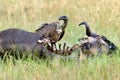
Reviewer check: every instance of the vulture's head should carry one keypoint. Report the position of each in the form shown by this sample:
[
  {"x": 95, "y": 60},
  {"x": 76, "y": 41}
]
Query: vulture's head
[
  {"x": 65, "y": 21},
  {"x": 65, "y": 18}
]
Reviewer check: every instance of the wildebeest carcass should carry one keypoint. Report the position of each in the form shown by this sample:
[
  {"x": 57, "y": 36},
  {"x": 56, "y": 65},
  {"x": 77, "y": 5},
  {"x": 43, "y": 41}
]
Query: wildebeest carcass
[
  {"x": 89, "y": 46},
  {"x": 111, "y": 45},
  {"x": 68, "y": 53},
  {"x": 20, "y": 40},
  {"x": 53, "y": 31},
  {"x": 92, "y": 46},
  {"x": 66, "y": 50}
]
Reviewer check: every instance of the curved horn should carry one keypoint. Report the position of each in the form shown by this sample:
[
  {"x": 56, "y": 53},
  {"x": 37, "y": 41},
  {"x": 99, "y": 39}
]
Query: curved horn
[{"x": 88, "y": 31}]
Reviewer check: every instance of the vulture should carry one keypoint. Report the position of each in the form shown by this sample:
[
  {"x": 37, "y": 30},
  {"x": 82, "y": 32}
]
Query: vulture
[
  {"x": 111, "y": 45},
  {"x": 53, "y": 31}
]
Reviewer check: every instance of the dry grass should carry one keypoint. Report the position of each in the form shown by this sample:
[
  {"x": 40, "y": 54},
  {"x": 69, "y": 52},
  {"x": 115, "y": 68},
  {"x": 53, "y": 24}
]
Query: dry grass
[{"x": 103, "y": 17}]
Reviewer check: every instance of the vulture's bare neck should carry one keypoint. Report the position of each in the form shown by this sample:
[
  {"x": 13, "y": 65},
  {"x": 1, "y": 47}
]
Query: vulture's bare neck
[{"x": 65, "y": 24}]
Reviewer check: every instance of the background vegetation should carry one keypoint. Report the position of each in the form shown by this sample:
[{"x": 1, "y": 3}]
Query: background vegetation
[{"x": 103, "y": 17}]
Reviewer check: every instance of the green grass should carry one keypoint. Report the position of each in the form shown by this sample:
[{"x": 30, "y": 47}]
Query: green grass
[
  {"x": 103, "y": 17},
  {"x": 99, "y": 68}
]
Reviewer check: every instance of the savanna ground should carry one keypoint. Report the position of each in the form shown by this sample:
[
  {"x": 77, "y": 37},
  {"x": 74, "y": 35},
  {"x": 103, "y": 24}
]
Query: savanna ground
[{"x": 103, "y": 17}]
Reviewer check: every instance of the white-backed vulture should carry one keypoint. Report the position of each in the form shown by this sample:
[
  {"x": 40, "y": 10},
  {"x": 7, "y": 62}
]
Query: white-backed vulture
[{"x": 53, "y": 31}]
